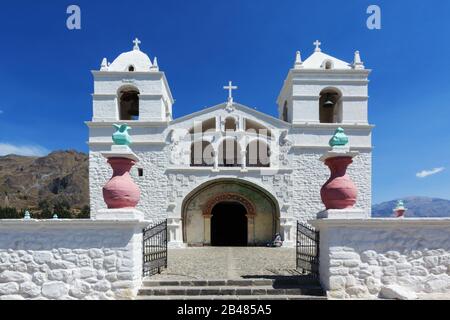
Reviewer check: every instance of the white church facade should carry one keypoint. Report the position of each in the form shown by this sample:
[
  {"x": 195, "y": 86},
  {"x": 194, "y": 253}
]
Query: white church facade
[
  {"x": 231, "y": 167},
  {"x": 227, "y": 175}
]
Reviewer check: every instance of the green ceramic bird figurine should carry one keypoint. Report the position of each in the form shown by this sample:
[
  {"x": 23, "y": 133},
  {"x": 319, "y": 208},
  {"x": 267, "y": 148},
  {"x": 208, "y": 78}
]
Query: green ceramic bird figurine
[
  {"x": 121, "y": 136},
  {"x": 339, "y": 139}
]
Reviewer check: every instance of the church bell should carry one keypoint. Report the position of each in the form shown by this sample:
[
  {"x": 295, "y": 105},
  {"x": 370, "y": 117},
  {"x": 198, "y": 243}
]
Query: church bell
[{"x": 328, "y": 102}]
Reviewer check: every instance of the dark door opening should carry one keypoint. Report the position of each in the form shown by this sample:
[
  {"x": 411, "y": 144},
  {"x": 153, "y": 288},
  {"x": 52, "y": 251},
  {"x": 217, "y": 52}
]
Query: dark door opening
[{"x": 229, "y": 226}]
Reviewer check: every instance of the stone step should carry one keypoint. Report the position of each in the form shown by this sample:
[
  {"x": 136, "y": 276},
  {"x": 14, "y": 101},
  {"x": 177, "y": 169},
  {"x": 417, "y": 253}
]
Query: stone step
[
  {"x": 228, "y": 297},
  {"x": 229, "y": 291},
  {"x": 287, "y": 282}
]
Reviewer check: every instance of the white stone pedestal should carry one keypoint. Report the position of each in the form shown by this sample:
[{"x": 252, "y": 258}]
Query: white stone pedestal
[
  {"x": 175, "y": 232},
  {"x": 334, "y": 214},
  {"x": 119, "y": 214},
  {"x": 288, "y": 229},
  {"x": 120, "y": 152}
]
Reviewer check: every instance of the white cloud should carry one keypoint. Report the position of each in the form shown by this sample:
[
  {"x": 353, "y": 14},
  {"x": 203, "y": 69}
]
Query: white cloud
[
  {"x": 23, "y": 150},
  {"x": 427, "y": 173}
]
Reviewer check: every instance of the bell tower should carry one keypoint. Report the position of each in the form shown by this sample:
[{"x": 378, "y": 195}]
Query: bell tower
[
  {"x": 324, "y": 89},
  {"x": 131, "y": 88}
]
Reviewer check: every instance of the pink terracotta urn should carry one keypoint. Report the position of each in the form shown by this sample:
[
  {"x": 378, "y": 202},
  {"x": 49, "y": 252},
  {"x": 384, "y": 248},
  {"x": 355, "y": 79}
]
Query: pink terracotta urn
[
  {"x": 400, "y": 209},
  {"x": 339, "y": 192},
  {"x": 121, "y": 191}
]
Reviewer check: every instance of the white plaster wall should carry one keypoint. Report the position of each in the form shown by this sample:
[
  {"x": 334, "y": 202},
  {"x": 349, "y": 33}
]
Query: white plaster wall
[
  {"x": 310, "y": 174},
  {"x": 111, "y": 82},
  {"x": 305, "y": 110},
  {"x": 100, "y": 134},
  {"x": 151, "y": 108},
  {"x": 358, "y": 258},
  {"x": 153, "y": 185},
  {"x": 314, "y": 84},
  {"x": 105, "y": 107},
  {"x": 309, "y": 136},
  {"x": 355, "y": 110},
  {"x": 69, "y": 260}
]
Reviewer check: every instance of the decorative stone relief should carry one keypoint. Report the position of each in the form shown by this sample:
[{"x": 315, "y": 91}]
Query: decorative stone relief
[
  {"x": 285, "y": 147},
  {"x": 249, "y": 206},
  {"x": 230, "y": 108},
  {"x": 284, "y": 141}
]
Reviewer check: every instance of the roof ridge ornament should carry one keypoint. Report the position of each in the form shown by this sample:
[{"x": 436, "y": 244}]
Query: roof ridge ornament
[
  {"x": 298, "y": 61},
  {"x": 230, "y": 89},
  {"x": 317, "y": 43},
  {"x": 136, "y": 42},
  {"x": 357, "y": 63},
  {"x": 104, "y": 65},
  {"x": 155, "y": 66}
]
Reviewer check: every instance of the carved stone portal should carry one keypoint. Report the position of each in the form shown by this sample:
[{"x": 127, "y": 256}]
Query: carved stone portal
[{"x": 229, "y": 197}]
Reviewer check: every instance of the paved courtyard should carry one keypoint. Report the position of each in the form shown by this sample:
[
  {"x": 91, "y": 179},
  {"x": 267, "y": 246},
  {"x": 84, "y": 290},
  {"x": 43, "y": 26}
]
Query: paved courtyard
[{"x": 229, "y": 263}]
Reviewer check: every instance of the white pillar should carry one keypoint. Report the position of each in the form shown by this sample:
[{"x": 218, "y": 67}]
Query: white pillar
[
  {"x": 175, "y": 233},
  {"x": 288, "y": 232}
]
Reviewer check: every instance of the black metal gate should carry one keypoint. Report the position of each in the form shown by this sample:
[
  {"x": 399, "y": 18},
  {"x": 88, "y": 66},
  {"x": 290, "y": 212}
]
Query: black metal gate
[
  {"x": 307, "y": 249},
  {"x": 155, "y": 248}
]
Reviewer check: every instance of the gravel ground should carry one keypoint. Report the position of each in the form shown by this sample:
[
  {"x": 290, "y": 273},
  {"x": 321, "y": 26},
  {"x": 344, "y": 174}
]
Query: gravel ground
[{"x": 228, "y": 263}]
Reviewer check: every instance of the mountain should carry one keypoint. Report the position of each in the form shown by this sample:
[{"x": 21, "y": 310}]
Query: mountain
[
  {"x": 32, "y": 182},
  {"x": 418, "y": 207}
]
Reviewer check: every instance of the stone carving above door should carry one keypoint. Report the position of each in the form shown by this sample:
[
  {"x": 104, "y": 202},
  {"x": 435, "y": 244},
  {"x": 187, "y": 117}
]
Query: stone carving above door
[{"x": 230, "y": 197}]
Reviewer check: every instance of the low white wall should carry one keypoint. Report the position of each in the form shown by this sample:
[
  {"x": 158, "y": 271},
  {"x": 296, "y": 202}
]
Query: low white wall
[
  {"x": 359, "y": 257},
  {"x": 70, "y": 259}
]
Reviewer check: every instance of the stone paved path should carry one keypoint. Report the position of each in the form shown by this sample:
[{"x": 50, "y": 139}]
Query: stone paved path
[{"x": 229, "y": 263}]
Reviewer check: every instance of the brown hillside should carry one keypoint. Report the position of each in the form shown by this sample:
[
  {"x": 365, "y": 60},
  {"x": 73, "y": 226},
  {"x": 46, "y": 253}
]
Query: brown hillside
[{"x": 60, "y": 176}]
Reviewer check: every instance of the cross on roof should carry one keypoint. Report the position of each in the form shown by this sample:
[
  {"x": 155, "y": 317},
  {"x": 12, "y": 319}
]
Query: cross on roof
[
  {"x": 136, "y": 42},
  {"x": 317, "y": 43},
  {"x": 230, "y": 89}
]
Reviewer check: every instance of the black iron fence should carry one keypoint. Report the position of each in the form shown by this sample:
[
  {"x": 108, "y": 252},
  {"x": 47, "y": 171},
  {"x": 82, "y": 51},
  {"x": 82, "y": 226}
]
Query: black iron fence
[
  {"x": 155, "y": 248},
  {"x": 307, "y": 249}
]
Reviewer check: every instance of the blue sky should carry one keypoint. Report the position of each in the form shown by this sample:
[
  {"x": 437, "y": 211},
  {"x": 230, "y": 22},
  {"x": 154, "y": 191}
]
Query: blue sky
[{"x": 201, "y": 44}]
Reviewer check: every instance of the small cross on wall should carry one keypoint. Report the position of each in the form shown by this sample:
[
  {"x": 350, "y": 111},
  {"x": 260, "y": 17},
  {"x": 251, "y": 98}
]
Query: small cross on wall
[{"x": 230, "y": 89}]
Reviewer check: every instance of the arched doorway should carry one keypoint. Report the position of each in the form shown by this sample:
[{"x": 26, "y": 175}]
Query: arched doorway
[
  {"x": 262, "y": 213},
  {"x": 229, "y": 225}
]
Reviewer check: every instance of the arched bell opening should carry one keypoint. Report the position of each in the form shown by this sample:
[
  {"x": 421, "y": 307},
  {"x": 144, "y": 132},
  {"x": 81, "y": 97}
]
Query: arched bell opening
[
  {"x": 330, "y": 106},
  {"x": 128, "y": 99}
]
